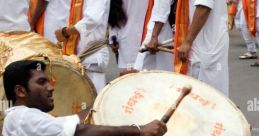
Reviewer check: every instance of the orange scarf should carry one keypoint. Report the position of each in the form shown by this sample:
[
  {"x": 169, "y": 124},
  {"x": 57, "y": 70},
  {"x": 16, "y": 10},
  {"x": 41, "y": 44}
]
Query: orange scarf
[
  {"x": 232, "y": 10},
  {"x": 40, "y": 23},
  {"x": 249, "y": 8},
  {"x": 76, "y": 14},
  {"x": 181, "y": 29},
  {"x": 147, "y": 18}
]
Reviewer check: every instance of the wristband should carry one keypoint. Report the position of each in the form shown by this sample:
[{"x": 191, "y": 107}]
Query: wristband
[{"x": 137, "y": 126}]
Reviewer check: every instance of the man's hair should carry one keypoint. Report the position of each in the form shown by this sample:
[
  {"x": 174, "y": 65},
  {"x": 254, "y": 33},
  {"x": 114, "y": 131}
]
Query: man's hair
[
  {"x": 19, "y": 73},
  {"x": 117, "y": 16}
]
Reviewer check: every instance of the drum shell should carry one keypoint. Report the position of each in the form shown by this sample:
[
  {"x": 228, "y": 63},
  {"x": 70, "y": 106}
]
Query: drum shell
[{"x": 73, "y": 90}]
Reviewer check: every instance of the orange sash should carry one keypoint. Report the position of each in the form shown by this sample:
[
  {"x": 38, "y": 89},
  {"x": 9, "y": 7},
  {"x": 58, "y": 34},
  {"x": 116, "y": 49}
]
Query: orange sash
[
  {"x": 40, "y": 23},
  {"x": 147, "y": 18},
  {"x": 181, "y": 29},
  {"x": 249, "y": 8},
  {"x": 76, "y": 13},
  {"x": 232, "y": 10}
]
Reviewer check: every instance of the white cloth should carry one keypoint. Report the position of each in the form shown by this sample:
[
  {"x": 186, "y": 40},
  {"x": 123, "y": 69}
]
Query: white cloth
[
  {"x": 13, "y": 15},
  {"x": 161, "y": 60},
  {"x": 129, "y": 36},
  {"x": 56, "y": 17},
  {"x": 92, "y": 27},
  {"x": 24, "y": 121},
  {"x": 209, "y": 52}
]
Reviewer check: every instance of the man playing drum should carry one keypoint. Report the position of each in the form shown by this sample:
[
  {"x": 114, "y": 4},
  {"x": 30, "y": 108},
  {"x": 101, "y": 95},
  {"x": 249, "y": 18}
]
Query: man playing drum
[
  {"x": 16, "y": 19},
  {"x": 156, "y": 30},
  {"x": 205, "y": 41},
  {"x": 31, "y": 95},
  {"x": 85, "y": 35}
]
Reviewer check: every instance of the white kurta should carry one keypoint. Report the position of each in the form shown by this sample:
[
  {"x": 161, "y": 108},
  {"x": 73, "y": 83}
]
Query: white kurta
[
  {"x": 209, "y": 53},
  {"x": 129, "y": 36},
  {"x": 13, "y": 15},
  {"x": 92, "y": 27},
  {"x": 161, "y": 60},
  {"x": 24, "y": 121}
]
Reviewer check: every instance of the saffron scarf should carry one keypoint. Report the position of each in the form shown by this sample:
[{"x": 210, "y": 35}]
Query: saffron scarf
[
  {"x": 181, "y": 30},
  {"x": 76, "y": 13},
  {"x": 249, "y": 8}
]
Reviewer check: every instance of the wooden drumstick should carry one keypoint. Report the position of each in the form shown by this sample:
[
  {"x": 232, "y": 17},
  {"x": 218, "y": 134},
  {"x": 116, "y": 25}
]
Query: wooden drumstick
[
  {"x": 165, "y": 46},
  {"x": 185, "y": 91},
  {"x": 160, "y": 48}
]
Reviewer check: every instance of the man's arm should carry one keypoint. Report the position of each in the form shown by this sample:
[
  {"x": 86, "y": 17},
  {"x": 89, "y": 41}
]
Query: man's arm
[
  {"x": 199, "y": 19},
  {"x": 40, "y": 8},
  {"x": 153, "y": 43},
  {"x": 155, "y": 128}
]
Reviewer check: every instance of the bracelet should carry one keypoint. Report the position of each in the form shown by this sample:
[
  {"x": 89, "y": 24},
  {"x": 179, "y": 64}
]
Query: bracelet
[
  {"x": 137, "y": 126},
  {"x": 64, "y": 32}
]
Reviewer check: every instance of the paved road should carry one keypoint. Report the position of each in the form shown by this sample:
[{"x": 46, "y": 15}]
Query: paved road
[{"x": 244, "y": 80}]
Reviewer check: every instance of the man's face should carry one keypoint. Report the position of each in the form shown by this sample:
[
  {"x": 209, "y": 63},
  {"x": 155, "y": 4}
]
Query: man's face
[{"x": 39, "y": 93}]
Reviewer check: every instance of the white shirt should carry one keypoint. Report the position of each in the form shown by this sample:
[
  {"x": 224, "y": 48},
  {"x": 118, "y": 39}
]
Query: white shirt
[
  {"x": 208, "y": 39},
  {"x": 56, "y": 17},
  {"x": 13, "y": 15},
  {"x": 160, "y": 13},
  {"x": 24, "y": 121},
  {"x": 91, "y": 27}
]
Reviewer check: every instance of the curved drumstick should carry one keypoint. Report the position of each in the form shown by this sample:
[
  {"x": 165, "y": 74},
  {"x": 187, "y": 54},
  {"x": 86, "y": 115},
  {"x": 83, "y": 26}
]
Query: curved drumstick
[{"x": 185, "y": 91}]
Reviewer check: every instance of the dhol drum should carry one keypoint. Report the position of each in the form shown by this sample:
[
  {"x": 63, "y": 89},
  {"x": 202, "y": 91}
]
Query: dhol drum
[
  {"x": 73, "y": 90},
  {"x": 142, "y": 97}
]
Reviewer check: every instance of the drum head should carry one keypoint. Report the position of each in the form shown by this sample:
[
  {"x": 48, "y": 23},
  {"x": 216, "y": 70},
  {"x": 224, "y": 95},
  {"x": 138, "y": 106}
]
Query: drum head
[{"x": 142, "y": 97}]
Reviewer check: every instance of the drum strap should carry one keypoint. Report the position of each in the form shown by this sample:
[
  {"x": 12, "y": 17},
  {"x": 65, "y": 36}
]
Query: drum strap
[
  {"x": 249, "y": 8},
  {"x": 181, "y": 30},
  {"x": 147, "y": 18},
  {"x": 93, "y": 47}
]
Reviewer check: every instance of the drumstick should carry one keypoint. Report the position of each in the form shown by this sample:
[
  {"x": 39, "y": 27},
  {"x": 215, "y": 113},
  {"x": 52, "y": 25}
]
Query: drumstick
[
  {"x": 185, "y": 91},
  {"x": 160, "y": 48},
  {"x": 165, "y": 46}
]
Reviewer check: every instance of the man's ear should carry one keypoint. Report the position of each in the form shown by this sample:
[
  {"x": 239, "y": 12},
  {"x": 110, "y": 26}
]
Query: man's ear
[{"x": 20, "y": 91}]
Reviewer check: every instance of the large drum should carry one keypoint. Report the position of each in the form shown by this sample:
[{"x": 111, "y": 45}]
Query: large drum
[
  {"x": 142, "y": 97},
  {"x": 73, "y": 89}
]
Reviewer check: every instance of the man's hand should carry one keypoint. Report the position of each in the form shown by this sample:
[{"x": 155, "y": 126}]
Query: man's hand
[
  {"x": 115, "y": 48},
  {"x": 183, "y": 51},
  {"x": 60, "y": 36},
  {"x": 154, "y": 128},
  {"x": 152, "y": 45}
]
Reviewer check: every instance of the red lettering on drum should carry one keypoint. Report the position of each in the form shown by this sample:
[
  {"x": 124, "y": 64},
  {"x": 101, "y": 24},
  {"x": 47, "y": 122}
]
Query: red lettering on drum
[
  {"x": 218, "y": 129},
  {"x": 200, "y": 99},
  {"x": 129, "y": 108}
]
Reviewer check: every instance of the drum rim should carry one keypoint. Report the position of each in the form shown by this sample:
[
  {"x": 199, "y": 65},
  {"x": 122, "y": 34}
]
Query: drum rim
[{"x": 98, "y": 100}]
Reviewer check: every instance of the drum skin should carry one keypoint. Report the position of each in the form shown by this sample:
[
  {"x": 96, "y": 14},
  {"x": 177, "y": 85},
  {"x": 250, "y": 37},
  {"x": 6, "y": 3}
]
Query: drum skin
[
  {"x": 142, "y": 97},
  {"x": 73, "y": 89}
]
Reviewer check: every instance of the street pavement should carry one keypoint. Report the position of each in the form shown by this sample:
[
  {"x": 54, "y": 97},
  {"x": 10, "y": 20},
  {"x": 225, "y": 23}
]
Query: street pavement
[{"x": 244, "y": 80}]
